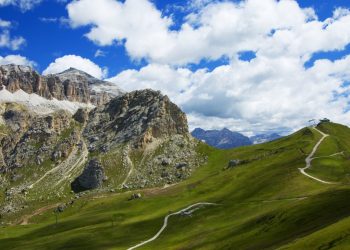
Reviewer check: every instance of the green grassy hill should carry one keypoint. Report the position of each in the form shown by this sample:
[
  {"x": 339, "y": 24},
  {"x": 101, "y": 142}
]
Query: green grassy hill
[{"x": 263, "y": 203}]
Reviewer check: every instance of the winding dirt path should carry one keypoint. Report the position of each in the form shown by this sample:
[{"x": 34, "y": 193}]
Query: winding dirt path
[
  {"x": 327, "y": 156},
  {"x": 309, "y": 159},
  {"x": 24, "y": 220},
  {"x": 188, "y": 210},
  {"x": 149, "y": 191}
]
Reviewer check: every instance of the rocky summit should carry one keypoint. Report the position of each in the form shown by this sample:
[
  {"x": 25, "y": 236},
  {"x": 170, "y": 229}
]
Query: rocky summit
[
  {"x": 139, "y": 116},
  {"x": 71, "y": 85}
]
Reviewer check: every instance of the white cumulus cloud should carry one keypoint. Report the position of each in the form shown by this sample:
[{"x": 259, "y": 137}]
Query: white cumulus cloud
[
  {"x": 6, "y": 39},
  {"x": 24, "y": 5},
  {"x": 4, "y": 23},
  {"x": 13, "y": 43},
  {"x": 252, "y": 96},
  {"x": 215, "y": 30},
  {"x": 273, "y": 90},
  {"x": 16, "y": 59},
  {"x": 78, "y": 62}
]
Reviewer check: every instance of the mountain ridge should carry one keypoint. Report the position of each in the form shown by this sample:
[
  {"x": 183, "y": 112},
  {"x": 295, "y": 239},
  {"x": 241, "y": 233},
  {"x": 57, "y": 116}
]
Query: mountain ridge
[
  {"x": 226, "y": 139},
  {"x": 136, "y": 140},
  {"x": 223, "y": 139},
  {"x": 71, "y": 85}
]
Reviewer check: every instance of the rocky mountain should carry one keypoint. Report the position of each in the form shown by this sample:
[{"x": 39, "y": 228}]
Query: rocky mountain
[
  {"x": 71, "y": 85},
  {"x": 138, "y": 117},
  {"x": 136, "y": 140},
  {"x": 226, "y": 139},
  {"x": 262, "y": 138},
  {"x": 223, "y": 139},
  {"x": 148, "y": 125}
]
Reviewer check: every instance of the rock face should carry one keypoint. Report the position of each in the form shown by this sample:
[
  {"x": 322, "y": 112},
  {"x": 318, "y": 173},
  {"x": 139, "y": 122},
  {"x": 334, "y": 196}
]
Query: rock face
[
  {"x": 82, "y": 115},
  {"x": 31, "y": 139},
  {"x": 33, "y": 147},
  {"x": 137, "y": 117},
  {"x": 91, "y": 178},
  {"x": 72, "y": 85},
  {"x": 223, "y": 139},
  {"x": 98, "y": 92},
  {"x": 147, "y": 136}
]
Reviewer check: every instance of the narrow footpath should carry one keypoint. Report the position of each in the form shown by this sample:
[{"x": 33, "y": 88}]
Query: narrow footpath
[
  {"x": 187, "y": 211},
  {"x": 310, "y": 157}
]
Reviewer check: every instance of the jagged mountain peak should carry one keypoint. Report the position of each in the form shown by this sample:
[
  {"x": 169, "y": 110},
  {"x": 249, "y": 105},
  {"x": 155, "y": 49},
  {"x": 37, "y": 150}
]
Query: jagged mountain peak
[
  {"x": 223, "y": 138},
  {"x": 72, "y": 85},
  {"x": 70, "y": 73},
  {"x": 72, "y": 69},
  {"x": 197, "y": 130},
  {"x": 95, "y": 84}
]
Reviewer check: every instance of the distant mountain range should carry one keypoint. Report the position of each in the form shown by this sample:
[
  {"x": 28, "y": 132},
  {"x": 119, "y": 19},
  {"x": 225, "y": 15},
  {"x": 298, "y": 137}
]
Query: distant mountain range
[{"x": 226, "y": 138}]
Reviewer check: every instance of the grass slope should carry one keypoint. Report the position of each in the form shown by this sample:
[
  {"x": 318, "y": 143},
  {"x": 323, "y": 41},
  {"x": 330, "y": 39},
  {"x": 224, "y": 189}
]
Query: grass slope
[{"x": 265, "y": 203}]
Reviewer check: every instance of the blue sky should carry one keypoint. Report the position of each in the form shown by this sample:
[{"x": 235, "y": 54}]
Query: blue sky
[
  {"x": 46, "y": 41},
  {"x": 204, "y": 74},
  {"x": 49, "y": 40}
]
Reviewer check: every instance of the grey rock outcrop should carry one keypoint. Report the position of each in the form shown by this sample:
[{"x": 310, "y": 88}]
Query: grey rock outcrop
[
  {"x": 233, "y": 163},
  {"x": 91, "y": 178},
  {"x": 82, "y": 115},
  {"x": 135, "y": 196}
]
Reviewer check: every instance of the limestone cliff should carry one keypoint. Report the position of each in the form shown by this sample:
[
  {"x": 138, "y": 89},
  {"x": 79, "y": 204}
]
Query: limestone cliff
[{"x": 72, "y": 84}]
